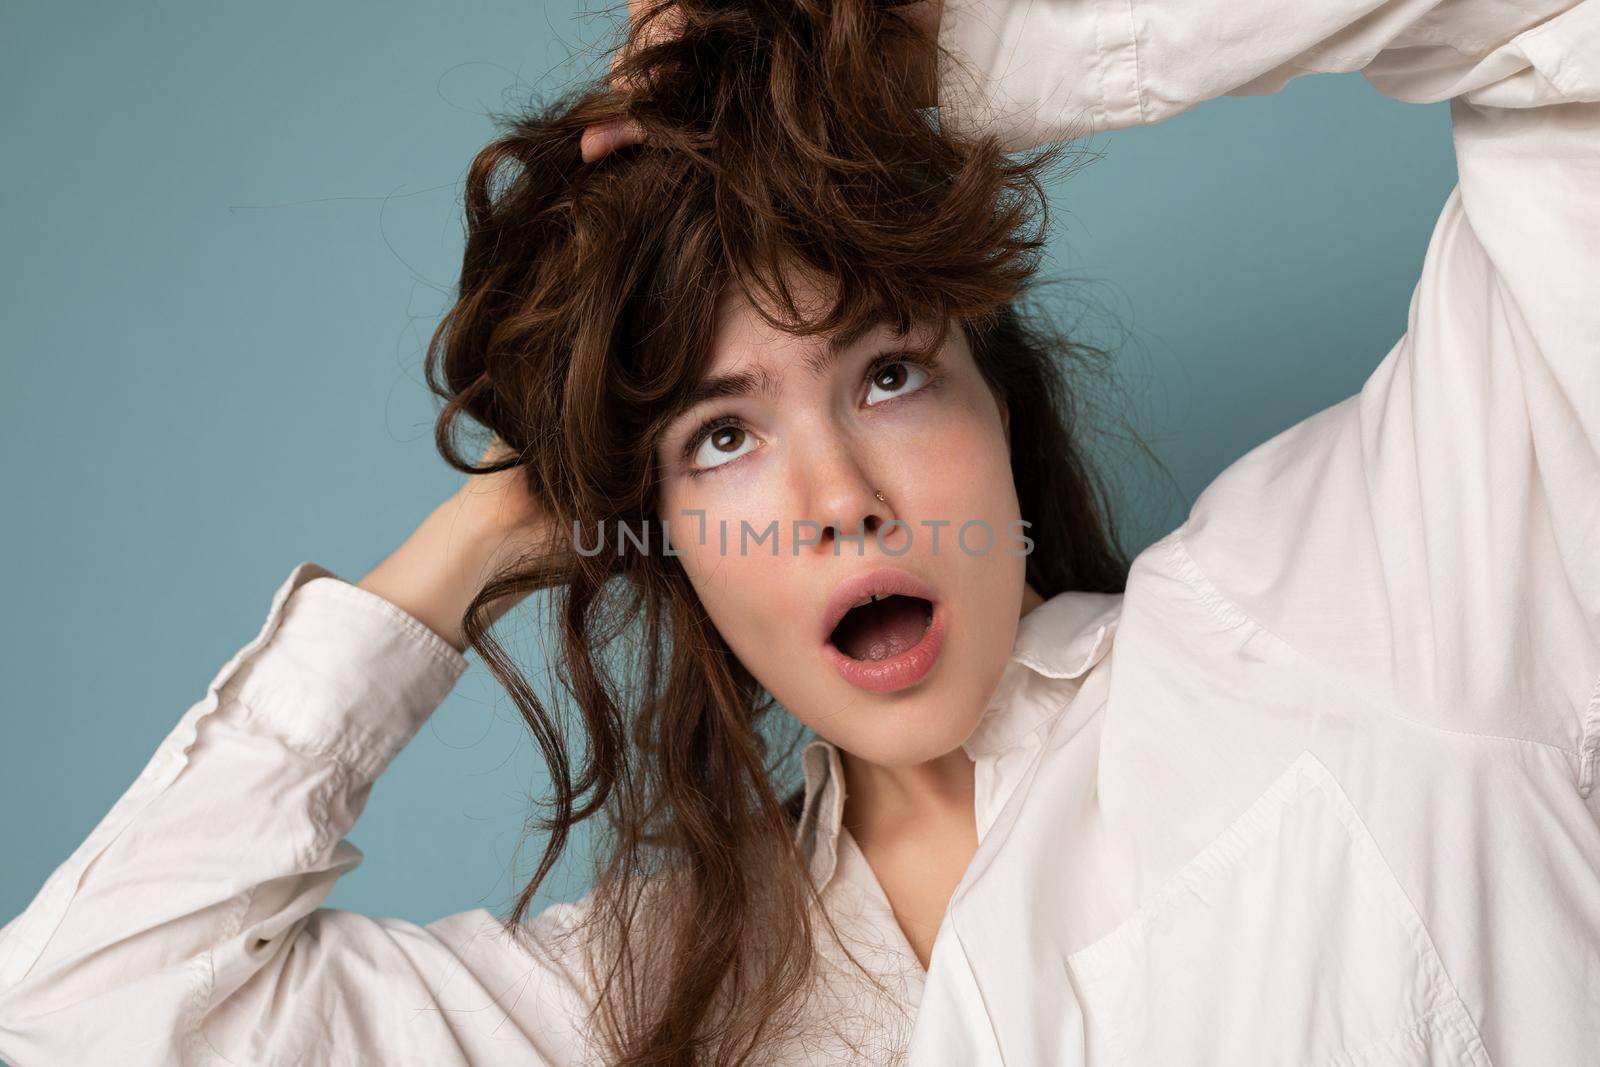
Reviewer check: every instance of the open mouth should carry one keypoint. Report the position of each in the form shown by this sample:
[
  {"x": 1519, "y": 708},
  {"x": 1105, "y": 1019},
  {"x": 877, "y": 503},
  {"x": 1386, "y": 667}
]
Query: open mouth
[{"x": 882, "y": 627}]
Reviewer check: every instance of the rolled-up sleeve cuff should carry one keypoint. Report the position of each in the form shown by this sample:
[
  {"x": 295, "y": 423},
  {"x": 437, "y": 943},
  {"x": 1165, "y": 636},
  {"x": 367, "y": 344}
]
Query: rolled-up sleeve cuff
[
  {"x": 1035, "y": 71},
  {"x": 346, "y": 674}
]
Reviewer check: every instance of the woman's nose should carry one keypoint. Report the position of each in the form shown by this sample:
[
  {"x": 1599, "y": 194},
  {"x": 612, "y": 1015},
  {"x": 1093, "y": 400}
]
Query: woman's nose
[{"x": 841, "y": 502}]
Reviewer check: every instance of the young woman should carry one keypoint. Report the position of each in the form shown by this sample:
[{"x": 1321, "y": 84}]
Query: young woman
[{"x": 1312, "y": 783}]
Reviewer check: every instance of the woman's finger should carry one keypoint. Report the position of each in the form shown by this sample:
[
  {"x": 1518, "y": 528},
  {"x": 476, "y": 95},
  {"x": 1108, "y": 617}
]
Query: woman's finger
[{"x": 605, "y": 137}]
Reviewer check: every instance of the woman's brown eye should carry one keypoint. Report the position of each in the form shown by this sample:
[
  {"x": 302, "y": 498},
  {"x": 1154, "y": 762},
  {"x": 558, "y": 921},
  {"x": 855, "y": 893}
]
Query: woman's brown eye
[
  {"x": 896, "y": 379},
  {"x": 722, "y": 444}
]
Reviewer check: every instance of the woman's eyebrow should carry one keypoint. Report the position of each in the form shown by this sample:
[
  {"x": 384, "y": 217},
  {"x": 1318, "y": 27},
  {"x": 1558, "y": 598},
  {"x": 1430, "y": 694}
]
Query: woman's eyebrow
[{"x": 764, "y": 383}]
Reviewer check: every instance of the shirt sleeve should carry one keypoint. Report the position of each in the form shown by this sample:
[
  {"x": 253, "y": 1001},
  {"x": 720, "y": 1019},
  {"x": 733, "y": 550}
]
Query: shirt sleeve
[
  {"x": 187, "y": 928},
  {"x": 1435, "y": 540}
]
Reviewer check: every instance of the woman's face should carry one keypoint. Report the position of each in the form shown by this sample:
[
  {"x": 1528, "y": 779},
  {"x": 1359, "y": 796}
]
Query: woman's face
[{"x": 782, "y": 467}]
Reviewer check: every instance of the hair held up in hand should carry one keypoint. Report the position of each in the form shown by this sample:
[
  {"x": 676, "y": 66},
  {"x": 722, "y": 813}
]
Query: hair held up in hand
[{"x": 783, "y": 138}]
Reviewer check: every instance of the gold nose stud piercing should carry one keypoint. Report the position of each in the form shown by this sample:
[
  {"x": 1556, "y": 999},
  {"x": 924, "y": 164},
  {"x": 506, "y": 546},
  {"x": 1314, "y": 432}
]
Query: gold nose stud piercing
[{"x": 878, "y": 493}]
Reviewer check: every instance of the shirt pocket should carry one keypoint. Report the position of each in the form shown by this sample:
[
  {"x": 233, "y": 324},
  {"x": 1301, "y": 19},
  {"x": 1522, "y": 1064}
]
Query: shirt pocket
[{"x": 1288, "y": 940}]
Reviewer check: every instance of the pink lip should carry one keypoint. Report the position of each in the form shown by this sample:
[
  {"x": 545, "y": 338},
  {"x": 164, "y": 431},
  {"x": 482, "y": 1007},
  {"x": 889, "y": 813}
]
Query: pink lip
[{"x": 896, "y": 672}]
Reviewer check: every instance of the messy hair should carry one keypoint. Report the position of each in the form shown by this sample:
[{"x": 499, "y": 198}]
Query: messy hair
[{"x": 779, "y": 144}]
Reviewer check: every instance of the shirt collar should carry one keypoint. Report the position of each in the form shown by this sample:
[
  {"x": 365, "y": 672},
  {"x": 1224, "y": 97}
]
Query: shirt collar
[{"x": 1057, "y": 643}]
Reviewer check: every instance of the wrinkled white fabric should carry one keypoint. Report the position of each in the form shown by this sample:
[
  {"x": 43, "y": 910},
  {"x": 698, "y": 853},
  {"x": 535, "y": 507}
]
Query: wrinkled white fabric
[
  {"x": 189, "y": 927},
  {"x": 1319, "y": 788},
  {"x": 1331, "y": 797}
]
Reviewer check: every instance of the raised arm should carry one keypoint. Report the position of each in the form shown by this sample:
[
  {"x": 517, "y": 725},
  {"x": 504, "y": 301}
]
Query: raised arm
[
  {"x": 1036, "y": 71},
  {"x": 187, "y": 928},
  {"x": 1436, "y": 539}
]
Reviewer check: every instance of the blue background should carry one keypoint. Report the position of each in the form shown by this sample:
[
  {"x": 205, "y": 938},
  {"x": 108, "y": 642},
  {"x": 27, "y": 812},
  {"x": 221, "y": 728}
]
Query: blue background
[{"x": 229, "y": 229}]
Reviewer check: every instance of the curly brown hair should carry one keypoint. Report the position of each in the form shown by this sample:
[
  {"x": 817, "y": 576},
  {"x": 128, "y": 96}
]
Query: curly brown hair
[{"x": 777, "y": 140}]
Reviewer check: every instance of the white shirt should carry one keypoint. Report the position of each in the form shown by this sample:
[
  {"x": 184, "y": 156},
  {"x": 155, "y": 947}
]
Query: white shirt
[
  {"x": 188, "y": 928},
  {"x": 1331, "y": 797},
  {"x": 1317, "y": 789}
]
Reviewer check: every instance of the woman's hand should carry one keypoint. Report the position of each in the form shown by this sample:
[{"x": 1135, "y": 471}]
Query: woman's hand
[
  {"x": 445, "y": 562},
  {"x": 604, "y": 137},
  {"x": 920, "y": 66},
  {"x": 498, "y": 506}
]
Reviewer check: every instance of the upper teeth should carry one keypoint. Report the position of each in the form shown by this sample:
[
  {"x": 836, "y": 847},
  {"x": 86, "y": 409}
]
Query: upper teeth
[{"x": 868, "y": 599}]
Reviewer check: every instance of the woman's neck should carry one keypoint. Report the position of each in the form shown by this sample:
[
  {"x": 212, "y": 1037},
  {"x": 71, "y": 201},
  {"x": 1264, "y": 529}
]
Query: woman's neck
[
  {"x": 916, "y": 827},
  {"x": 881, "y": 799}
]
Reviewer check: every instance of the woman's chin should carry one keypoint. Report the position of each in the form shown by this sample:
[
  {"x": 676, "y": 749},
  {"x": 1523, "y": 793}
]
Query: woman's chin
[{"x": 904, "y": 729}]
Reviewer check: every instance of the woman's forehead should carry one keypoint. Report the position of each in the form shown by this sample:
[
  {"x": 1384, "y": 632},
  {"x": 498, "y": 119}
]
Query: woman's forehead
[{"x": 744, "y": 337}]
